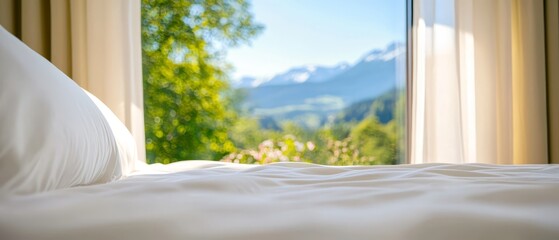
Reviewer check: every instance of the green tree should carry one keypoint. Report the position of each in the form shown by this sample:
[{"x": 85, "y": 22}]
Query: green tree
[
  {"x": 385, "y": 143},
  {"x": 376, "y": 140},
  {"x": 187, "y": 109}
]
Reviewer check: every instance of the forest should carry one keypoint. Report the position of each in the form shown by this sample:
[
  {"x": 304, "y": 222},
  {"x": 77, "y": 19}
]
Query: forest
[{"x": 192, "y": 112}]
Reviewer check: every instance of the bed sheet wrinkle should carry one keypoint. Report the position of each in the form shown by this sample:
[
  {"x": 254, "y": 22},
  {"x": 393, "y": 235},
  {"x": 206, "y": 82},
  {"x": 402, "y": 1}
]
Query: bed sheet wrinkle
[{"x": 212, "y": 200}]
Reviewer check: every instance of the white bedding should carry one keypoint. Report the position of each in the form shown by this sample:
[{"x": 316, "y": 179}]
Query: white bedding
[{"x": 211, "y": 200}]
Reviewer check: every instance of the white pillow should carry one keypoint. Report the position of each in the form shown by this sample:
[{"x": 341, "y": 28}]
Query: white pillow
[
  {"x": 126, "y": 145},
  {"x": 52, "y": 134}
]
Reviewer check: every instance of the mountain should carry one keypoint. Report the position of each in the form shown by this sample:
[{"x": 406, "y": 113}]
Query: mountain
[
  {"x": 312, "y": 100},
  {"x": 248, "y": 82},
  {"x": 308, "y": 73},
  {"x": 373, "y": 74},
  {"x": 392, "y": 51}
]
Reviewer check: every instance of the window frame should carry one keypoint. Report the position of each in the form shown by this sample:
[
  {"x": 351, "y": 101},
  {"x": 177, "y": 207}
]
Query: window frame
[{"x": 409, "y": 81}]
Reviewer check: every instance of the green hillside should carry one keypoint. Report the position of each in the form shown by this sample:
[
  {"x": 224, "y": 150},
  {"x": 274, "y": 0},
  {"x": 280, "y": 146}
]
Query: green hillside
[{"x": 382, "y": 107}]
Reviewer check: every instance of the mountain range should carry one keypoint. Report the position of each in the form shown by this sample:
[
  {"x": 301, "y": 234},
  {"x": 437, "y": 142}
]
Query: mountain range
[
  {"x": 311, "y": 94},
  {"x": 296, "y": 75}
]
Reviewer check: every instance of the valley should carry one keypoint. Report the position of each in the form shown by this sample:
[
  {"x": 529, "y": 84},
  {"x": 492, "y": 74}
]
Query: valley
[{"x": 315, "y": 96}]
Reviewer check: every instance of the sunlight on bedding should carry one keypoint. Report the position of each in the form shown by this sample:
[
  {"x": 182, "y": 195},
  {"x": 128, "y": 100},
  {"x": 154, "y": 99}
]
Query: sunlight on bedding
[{"x": 215, "y": 200}]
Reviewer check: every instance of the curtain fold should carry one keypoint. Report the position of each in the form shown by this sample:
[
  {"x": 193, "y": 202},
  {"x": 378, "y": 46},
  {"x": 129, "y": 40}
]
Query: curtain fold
[
  {"x": 552, "y": 61},
  {"x": 95, "y": 42},
  {"x": 479, "y": 73}
]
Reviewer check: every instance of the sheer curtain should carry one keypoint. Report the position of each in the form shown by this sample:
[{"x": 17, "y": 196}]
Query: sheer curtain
[
  {"x": 479, "y": 73},
  {"x": 95, "y": 42}
]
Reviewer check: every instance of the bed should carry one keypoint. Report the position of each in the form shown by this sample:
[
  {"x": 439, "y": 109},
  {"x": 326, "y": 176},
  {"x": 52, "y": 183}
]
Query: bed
[
  {"x": 212, "y": 200},
  {"x": 69, "y": 170}
]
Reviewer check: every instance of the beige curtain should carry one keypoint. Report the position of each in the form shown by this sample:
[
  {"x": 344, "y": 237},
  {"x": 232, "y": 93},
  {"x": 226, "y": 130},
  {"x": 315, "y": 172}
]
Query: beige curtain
[
  {"x": 479, "y": 74},
  {"x": 552, "y": 64},
  {"x": 95, "y": 42}
]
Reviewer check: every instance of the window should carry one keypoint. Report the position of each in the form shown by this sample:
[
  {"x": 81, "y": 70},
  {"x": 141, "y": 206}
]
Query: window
[{"x": 264, "y": 81}]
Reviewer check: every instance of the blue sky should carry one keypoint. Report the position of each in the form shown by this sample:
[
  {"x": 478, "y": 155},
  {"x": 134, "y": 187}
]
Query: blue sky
[{"x": 323, "y": 32}]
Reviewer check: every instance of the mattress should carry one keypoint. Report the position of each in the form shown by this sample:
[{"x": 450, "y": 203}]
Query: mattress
[{"x": 213, "y": 200}]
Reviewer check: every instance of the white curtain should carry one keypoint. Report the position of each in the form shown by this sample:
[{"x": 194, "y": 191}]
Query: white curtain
[
  {"x": 95, "y": 42},
  {"x": 479, "y": 83}
]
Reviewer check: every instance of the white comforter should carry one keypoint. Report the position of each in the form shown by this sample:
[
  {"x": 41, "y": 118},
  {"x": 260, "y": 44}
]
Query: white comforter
[{"x": 210, "y": 200}]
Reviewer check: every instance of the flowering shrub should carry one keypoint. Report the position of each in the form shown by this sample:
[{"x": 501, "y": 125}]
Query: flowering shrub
[
  {"x": 345, "y": 153},
  {"x": 285, "y": 150},
  {"x": 288, "y": 148}
]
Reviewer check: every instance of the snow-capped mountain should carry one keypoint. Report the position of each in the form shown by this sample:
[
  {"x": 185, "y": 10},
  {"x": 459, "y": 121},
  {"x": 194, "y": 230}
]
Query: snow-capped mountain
[
  {"x": 248, "y": 82},
  {"x": 316, "y": 73},
  {"x": 311, "y": 94},
  {"x": 309, "y": 73},
  {"x": 392, "y": 51},
  {"x": 296, "y": 75},
  {"x": 373, "y": 74}
]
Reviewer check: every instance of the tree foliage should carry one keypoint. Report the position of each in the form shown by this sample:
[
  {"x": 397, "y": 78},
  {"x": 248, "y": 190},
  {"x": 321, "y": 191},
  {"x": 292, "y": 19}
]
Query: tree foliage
[
  {"x": 366, "y": 142},
  {"x": 375, "y": 140},
  {"x": 187, "y": 108}
]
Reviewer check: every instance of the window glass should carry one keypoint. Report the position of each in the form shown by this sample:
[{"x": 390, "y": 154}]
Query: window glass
[{"x": 275, "y": 80}]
